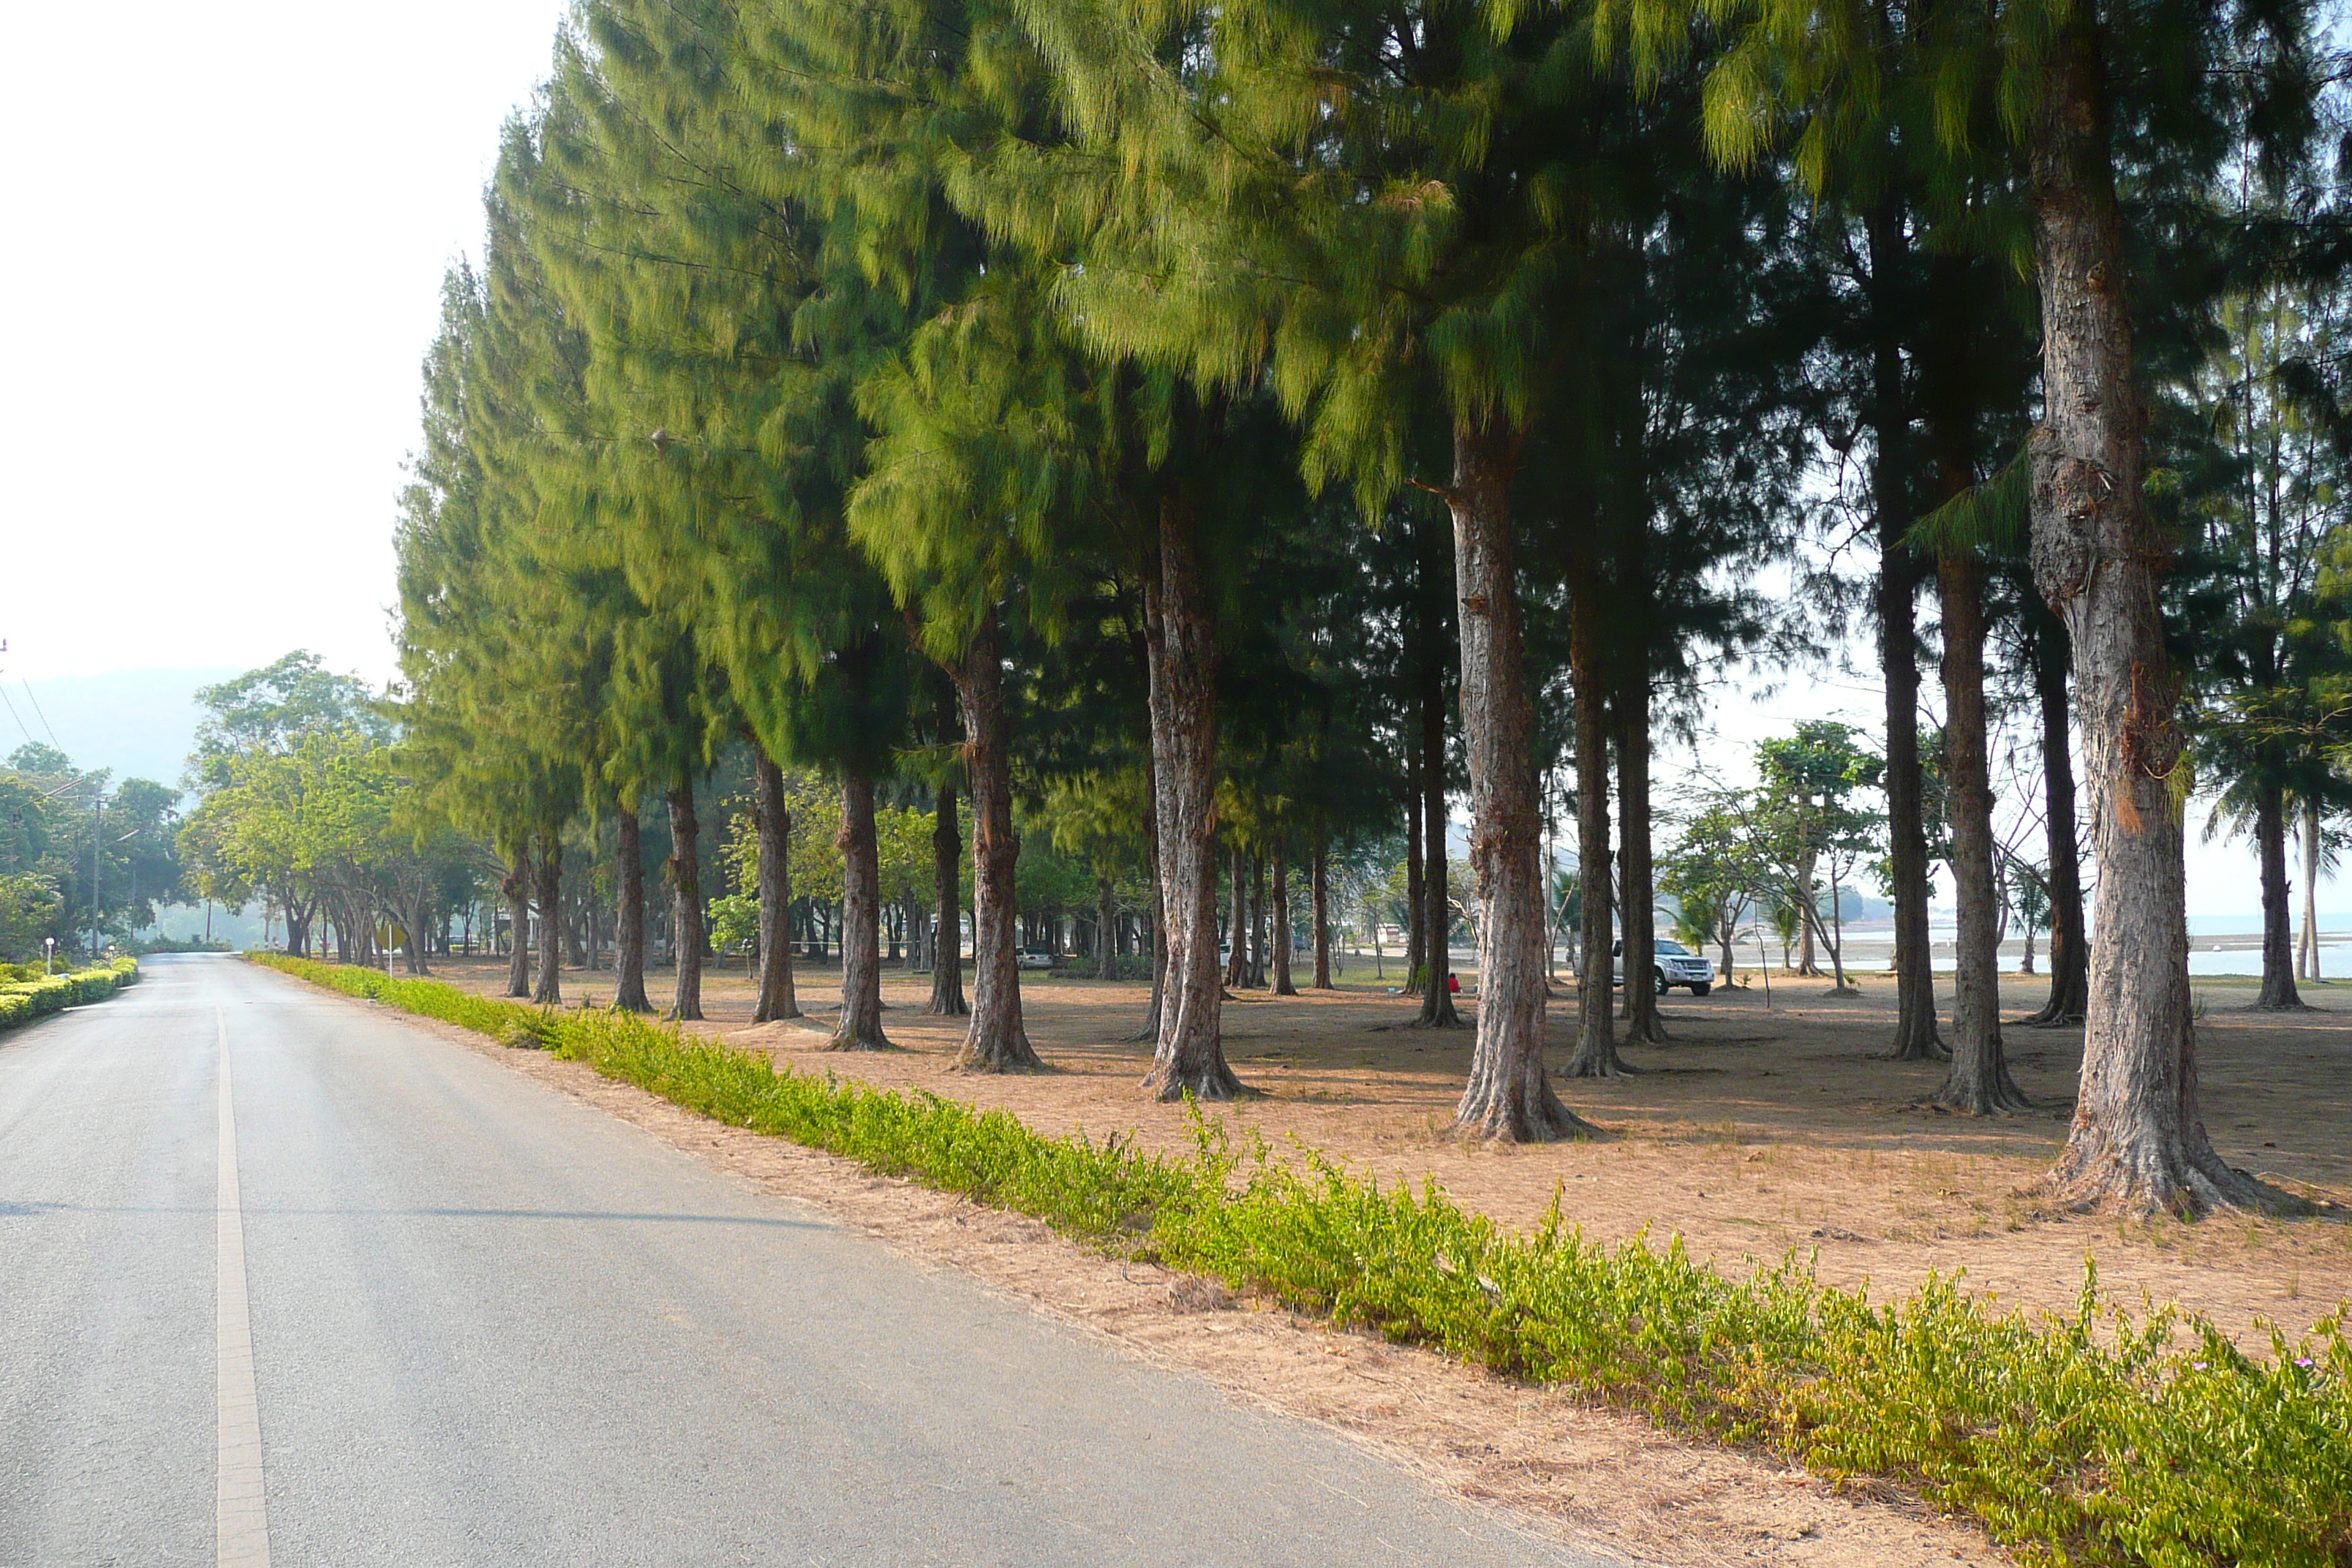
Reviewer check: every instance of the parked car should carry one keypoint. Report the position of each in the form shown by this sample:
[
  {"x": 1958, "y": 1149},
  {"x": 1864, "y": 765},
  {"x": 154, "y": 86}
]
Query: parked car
[
  {"x": 1676, "y": 966},
  {"x": 1033, "y": 958}
]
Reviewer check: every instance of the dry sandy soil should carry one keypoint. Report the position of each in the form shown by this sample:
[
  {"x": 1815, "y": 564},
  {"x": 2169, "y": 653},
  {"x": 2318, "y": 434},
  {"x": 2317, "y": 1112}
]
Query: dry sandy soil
[{"x": 1757, "y": 1132}]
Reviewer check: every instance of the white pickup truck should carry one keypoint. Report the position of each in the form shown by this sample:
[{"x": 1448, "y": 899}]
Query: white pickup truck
[{"x": 1676, "y": 966}]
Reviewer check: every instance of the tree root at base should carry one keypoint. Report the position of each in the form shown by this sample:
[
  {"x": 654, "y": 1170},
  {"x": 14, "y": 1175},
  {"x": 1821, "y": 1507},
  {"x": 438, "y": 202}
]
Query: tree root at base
[
  {"x": 1006, "y": 1056},
  {"x": 2182, "y": 1189},
  {"x": 1217, "y": 1084}
]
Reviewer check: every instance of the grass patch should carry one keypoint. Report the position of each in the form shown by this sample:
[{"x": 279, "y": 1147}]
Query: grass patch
[
  {"x": 2074, "y": 1440},
  {"x": 25, "y": 993}
]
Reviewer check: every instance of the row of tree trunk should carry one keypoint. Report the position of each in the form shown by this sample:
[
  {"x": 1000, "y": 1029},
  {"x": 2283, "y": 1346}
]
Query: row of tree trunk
[{"x": 2094, "y": 561}]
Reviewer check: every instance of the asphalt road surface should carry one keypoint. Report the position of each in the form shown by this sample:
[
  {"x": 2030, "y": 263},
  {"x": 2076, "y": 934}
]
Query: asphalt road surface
[{"x": 285, "y": 1280}]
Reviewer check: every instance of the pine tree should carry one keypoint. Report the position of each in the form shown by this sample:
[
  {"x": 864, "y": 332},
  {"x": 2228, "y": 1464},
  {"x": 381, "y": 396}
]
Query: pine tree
[
  {"x": 2257, "y": 471},
  {"x": 2062, "y": 77},
  {"x": 1365, "y": 253},
  {"x": 704, "y": 268}
]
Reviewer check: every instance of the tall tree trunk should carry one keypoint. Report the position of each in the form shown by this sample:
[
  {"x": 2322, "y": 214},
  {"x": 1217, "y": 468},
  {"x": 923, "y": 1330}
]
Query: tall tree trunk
[
  {"x": 1980, "y": 1083},
  {"x": 1237, "y": 920},
  {"x": 947, "y": 940},
  {"x": 2070, "y": 955},
  {"x": 2278, "y": 993},
  {"x": 1806, "y": 869},
  {"x": 1637, "y": 893},
  {"x": 1596, "y": 1012},
  {"x": 1416, "y": 907},
  {"x": 1551, "y": 902},
  {"x": 1437, "y": 1008},
  {"x": 859, "y": 1027},
  {"x": 1158, "y": 933},
  {"x": 2311, "y": 888},
  {"x": 629, "y": 937},
  {"x": 778, "y": 999},
  {"x": 2138, "y": 1138},
  {"x": 1106, "y": 929},
  {"x": 417, "y": 915},
  {"x": 516, "y": 885},
  {"x": 997, "y": 1040},
  {"x": 1509, "y": 1095},
  {"x": 1257, "y": 919},
  {"x": 550, "y": 991},
  {"x": 1319, "y": 892},
  {"x": 686, "y": 903},
  {"x": 755, "y": 962},
  {"x": 575, "y": 937},
  {"x": 1837, "y": 936},
  {"x": 1189, "y": 1057},
  {"x": 1899, "y": 574},
  {"x": 1281, "y": 942}
]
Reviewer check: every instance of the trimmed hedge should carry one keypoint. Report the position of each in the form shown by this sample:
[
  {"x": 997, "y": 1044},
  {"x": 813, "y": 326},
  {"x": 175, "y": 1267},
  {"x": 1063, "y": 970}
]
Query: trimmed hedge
[
  {"x": 26, "y": 995},
  {"x": 2072, "y": 1440}
]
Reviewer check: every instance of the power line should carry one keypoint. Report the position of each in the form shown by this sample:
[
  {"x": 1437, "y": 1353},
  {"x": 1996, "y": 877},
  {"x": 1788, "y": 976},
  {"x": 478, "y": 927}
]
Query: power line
[
  {"x": 36, "y": 709},
  {"x": 13, "y": 714}
]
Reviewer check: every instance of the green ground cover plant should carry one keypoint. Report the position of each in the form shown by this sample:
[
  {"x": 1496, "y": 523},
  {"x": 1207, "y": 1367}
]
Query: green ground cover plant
[
  {"x": 25, "y": 993},
  {"x": 2087, "y": 1439}
]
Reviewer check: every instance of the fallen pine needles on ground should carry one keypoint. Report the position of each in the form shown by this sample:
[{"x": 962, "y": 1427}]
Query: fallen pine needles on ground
[{"x": 2072, "y": 1440}]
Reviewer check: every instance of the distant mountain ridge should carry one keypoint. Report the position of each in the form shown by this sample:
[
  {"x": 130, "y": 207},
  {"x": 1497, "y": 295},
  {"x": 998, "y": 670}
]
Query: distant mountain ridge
[{"x": 140, "y": 723}]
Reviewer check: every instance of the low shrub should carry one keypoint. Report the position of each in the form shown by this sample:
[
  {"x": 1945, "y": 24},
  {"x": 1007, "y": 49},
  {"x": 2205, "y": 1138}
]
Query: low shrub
[
  {"x": 36, "y": 997},
  {"x": 183, "y": 945},
  {"x": 2074, "y": 1439}
]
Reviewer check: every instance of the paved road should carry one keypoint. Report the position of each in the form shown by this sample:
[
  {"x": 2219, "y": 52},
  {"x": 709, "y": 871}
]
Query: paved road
[{"x": 491, "y": 1325}]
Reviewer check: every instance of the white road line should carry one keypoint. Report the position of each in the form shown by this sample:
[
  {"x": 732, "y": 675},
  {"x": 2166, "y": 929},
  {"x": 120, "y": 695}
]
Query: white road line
[{"x": 240, "y": 1521}]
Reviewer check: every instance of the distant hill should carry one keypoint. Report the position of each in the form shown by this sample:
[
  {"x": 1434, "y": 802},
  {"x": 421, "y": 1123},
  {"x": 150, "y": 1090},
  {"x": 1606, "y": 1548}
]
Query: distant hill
[{"x": 138, "y": 723}]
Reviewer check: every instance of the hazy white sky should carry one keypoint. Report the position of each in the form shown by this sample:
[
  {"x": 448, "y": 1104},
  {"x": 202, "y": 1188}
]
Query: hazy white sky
[{"x": 231, "y": 224}]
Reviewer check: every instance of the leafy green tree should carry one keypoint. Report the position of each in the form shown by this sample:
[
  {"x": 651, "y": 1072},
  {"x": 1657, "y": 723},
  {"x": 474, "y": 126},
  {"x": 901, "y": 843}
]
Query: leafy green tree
[
  {"x": 1099, "y": 819},
  {"x": 275, "y": 707},
  {"x": 144, "y": 838},
  {"x": 90, "y": 864},
  {"x": 1713, "y": 883},
  {"x": 1806, "y": 824},
  {"x": 30, "y": 906}
]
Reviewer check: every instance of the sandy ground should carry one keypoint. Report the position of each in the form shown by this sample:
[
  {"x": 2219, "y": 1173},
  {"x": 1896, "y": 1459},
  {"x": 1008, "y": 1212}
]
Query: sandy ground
[
  {"x": 1756, "y": 1134},
  {"x": 1593, "y": 1477}
]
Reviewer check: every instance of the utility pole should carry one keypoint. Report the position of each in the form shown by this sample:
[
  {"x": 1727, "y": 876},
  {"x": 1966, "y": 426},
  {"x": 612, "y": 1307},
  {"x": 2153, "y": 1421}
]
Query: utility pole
[{"x": 97, "y": 821}]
